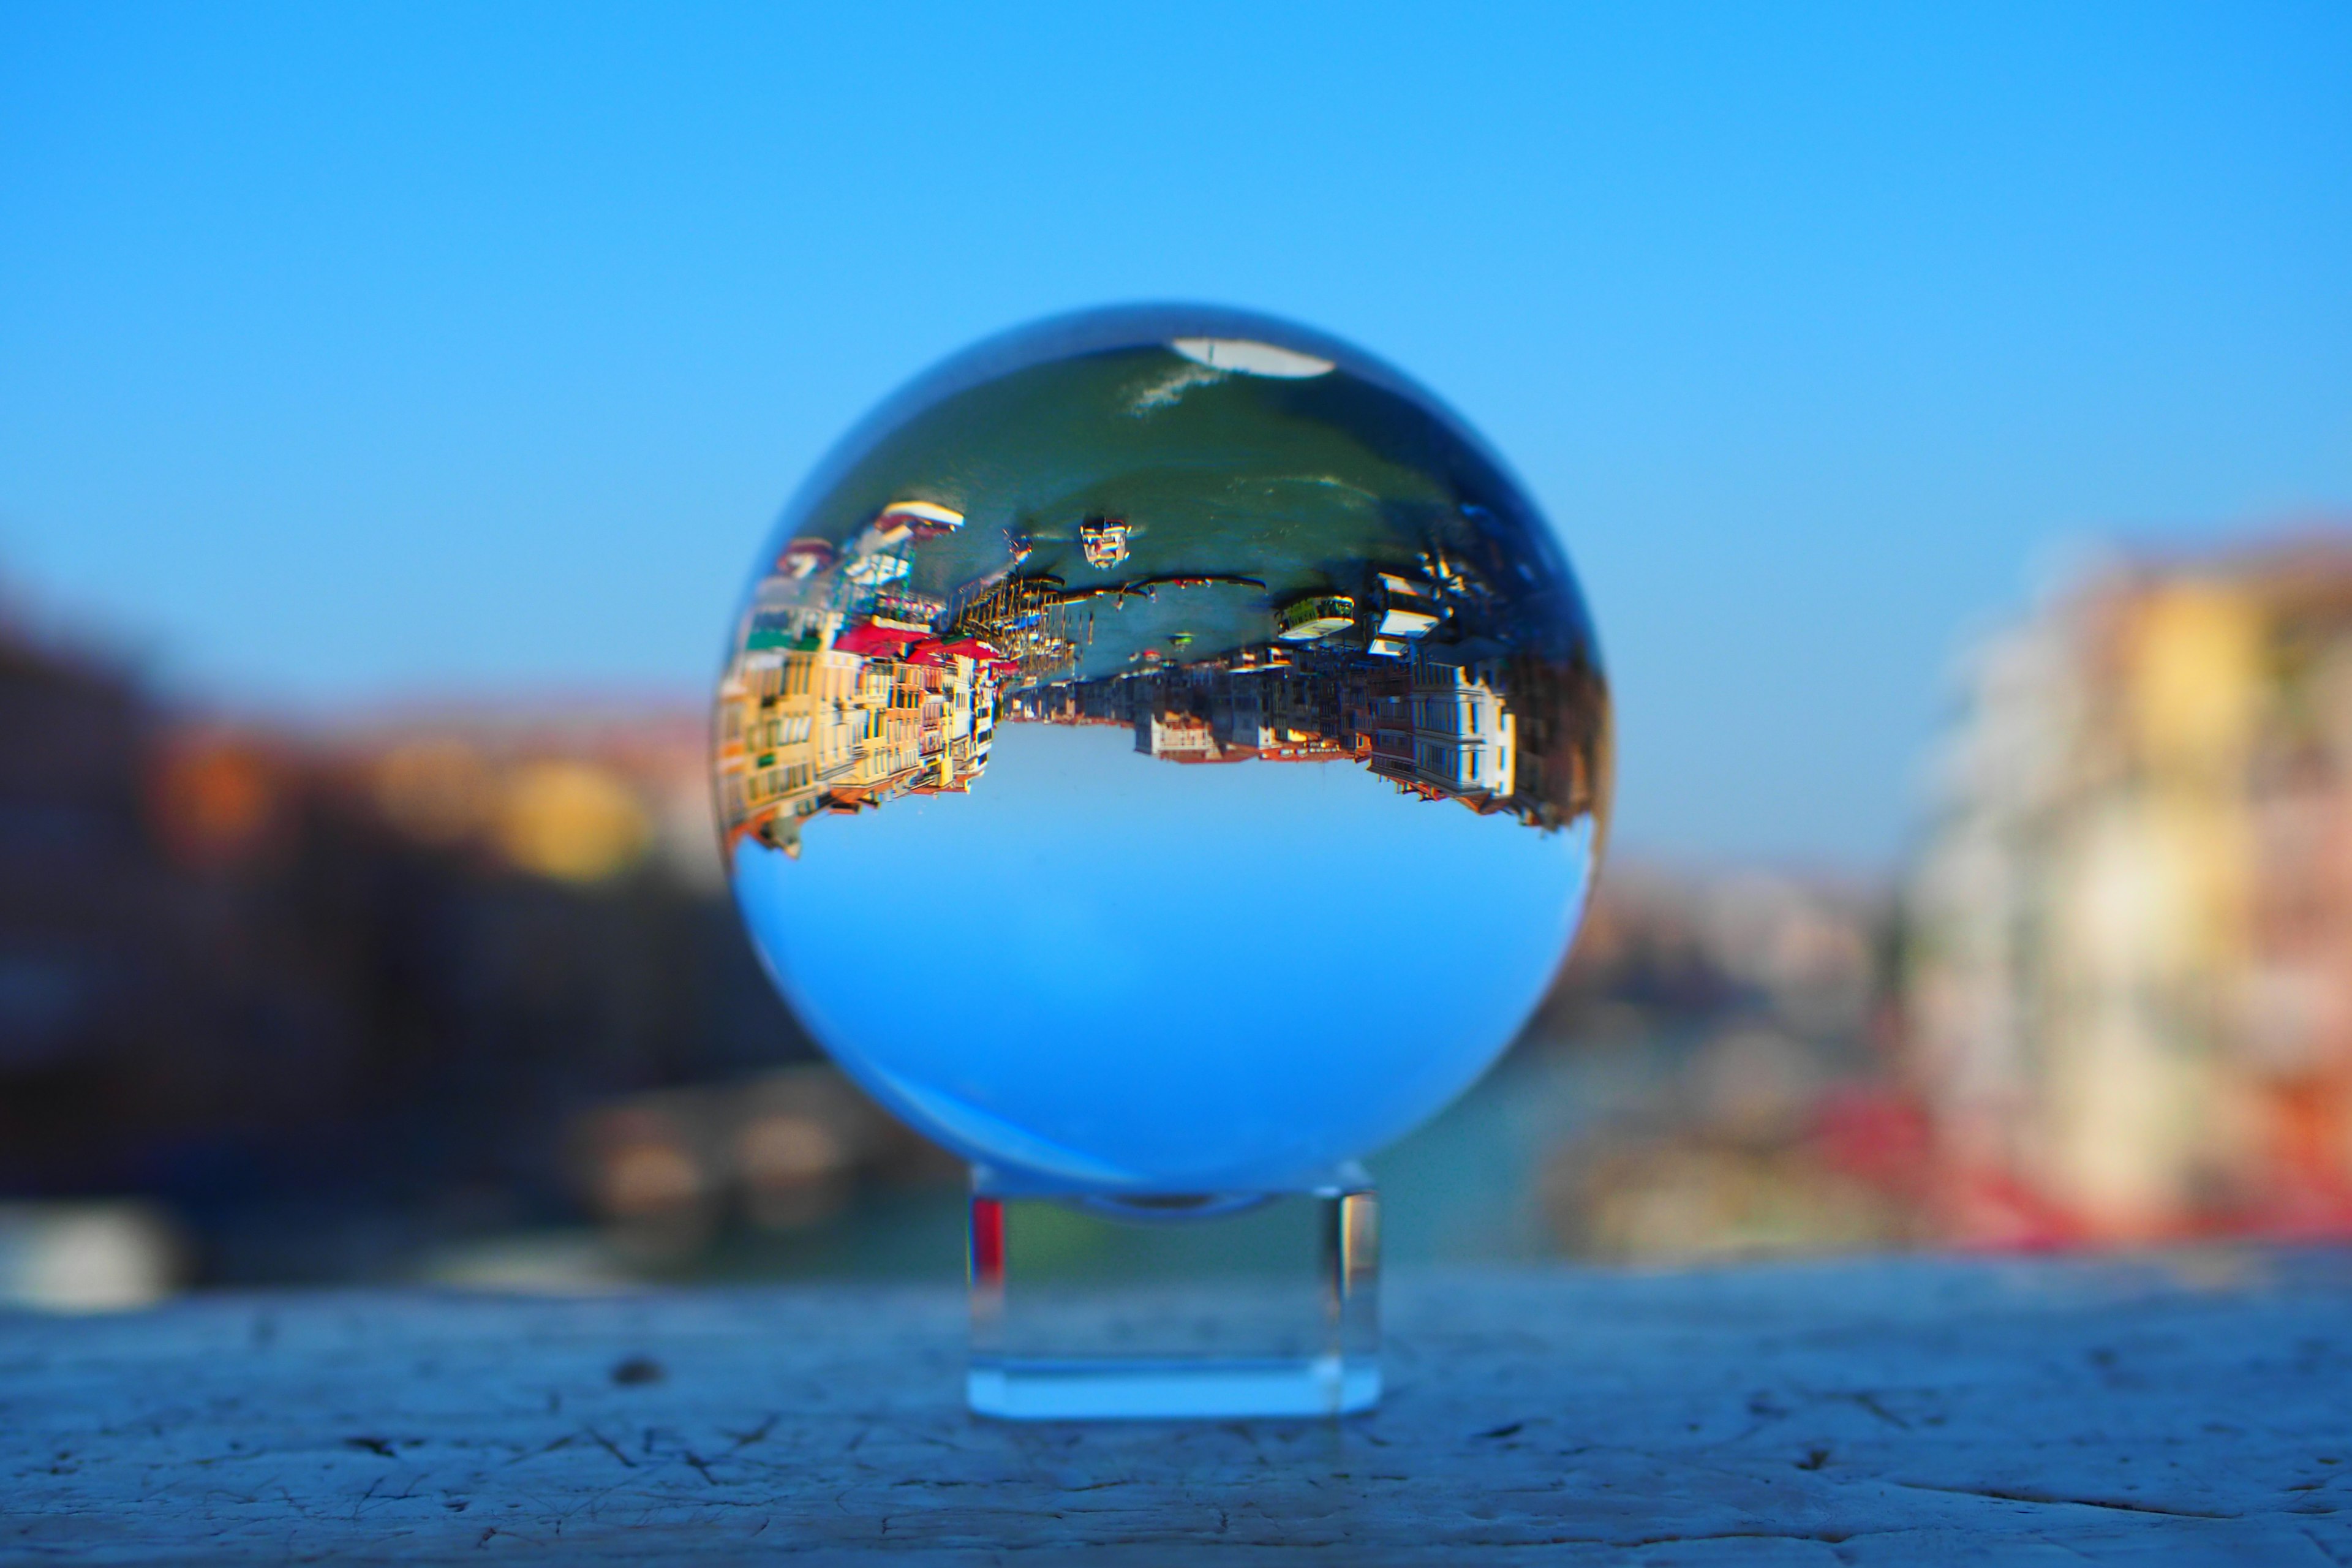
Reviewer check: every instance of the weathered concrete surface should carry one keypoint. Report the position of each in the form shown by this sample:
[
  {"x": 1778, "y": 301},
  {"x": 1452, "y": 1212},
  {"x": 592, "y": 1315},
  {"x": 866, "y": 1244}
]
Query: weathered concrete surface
[{"x": 2190, "y": 1410}]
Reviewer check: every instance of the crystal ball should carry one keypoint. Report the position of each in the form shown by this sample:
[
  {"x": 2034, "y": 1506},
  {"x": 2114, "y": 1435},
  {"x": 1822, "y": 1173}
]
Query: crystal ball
[{"x": 1162, "y": 750}]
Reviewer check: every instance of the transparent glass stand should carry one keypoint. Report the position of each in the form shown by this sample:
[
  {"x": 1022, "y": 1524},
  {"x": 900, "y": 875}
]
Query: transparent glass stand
[{"x": 1087, "y": 1306}]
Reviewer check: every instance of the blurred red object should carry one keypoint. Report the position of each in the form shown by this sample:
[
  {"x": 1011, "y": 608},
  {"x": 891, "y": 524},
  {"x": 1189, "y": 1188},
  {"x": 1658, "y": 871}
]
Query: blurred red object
[{"x": 1875, "y": 1134}]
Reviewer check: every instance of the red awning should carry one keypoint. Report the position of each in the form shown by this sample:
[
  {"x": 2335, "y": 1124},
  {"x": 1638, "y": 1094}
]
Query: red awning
[{"x": 870, "y": 641}]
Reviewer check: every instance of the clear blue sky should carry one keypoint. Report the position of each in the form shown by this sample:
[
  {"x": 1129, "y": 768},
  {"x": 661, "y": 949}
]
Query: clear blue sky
[{"x": 354, "y": 351}]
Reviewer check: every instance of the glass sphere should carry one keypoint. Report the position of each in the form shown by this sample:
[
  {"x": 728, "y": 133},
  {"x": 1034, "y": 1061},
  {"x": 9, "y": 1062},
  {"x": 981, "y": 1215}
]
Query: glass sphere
[{"x": 1162, "y": 750}]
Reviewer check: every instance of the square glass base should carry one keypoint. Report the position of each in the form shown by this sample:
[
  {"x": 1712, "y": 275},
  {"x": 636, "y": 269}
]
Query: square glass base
[{"x": 1086, "y": 1307}]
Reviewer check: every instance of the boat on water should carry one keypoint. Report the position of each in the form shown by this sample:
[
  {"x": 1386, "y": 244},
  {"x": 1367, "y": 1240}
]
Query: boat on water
[
  {"x": 1105, "y": 540},
  {"x": 1315, "y": 618}
]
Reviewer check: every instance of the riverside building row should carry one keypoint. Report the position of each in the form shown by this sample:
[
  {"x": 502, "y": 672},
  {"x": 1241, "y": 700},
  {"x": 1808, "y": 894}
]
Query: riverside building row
[{"x": 1447, "y": 723}]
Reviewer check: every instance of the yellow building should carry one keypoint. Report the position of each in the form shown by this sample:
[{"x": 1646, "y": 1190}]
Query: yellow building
[
  {"x": 805, "y": 731},
  {"x": 789, "y": 722},
  {"x": 2131, "y": 976}
]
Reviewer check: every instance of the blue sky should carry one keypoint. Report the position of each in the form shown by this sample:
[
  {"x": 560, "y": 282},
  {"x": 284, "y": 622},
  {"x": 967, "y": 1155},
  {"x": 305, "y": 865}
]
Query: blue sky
[{"x": 356, "y": 352}]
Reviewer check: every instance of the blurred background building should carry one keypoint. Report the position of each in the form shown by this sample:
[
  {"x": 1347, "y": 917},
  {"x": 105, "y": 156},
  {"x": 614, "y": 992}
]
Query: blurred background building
[
  {"x": 457, "y": 994},
  {"x": 327, "y": 994},
  {"x": 2132, "y": 970}
]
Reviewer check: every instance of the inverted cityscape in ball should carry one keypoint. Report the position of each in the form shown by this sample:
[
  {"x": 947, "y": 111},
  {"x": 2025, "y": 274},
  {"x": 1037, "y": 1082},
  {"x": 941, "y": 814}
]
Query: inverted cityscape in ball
[{"x": 1162, "y": 750}]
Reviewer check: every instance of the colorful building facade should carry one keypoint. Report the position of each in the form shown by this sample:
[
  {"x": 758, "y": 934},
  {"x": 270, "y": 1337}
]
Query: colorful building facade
[{"x": 2130, "y": 975}]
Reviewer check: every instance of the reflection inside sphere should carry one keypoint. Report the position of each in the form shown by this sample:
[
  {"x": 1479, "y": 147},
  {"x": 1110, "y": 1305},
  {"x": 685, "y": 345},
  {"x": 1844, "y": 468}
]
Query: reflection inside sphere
[{"x": 1162, "y": 751}]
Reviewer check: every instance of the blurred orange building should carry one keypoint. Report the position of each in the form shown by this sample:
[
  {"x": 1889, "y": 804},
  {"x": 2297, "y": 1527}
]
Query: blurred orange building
[
  {"x": 326, "y": 994},
  {"x": 2130, "y": 975}
]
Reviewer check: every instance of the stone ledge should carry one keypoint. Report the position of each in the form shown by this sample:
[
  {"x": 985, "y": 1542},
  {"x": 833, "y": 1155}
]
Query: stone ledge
[{"x": 2182, "y": 1409}]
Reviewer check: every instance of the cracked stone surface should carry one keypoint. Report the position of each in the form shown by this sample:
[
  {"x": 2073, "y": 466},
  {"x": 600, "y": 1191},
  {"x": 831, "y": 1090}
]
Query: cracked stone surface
[{"x": 2179, "y": 1409}]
